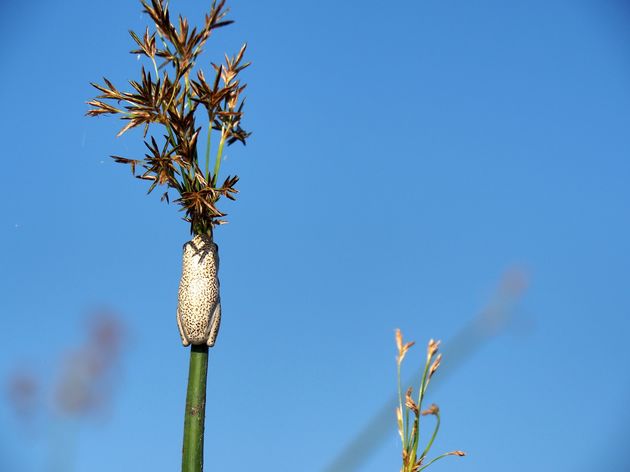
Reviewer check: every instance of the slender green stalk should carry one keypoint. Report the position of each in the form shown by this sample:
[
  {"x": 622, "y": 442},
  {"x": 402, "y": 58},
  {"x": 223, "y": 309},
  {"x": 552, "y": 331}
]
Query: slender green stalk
[
  {"x": 217, "y": 163},
  {"x": 435, "y": 431},
  {"x": 155, "y": 68},
  {"x": 423, "y": 383},
  {"x": 186, "y": 90},
  {"x": 403, "y": 437},
  {"x": 455, "y": 453},
  {"x": 208, "y": 149},
  {"x": 194, "y": 417}
]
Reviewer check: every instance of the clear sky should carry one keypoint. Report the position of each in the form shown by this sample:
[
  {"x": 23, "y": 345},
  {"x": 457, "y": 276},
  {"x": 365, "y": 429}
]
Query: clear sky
[{"x": 404, "y": 156}]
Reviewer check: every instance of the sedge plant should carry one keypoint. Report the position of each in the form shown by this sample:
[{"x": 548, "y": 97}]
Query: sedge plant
[
  {"x": 187, "y": 121},
  {"x": 409, "y": 411}
]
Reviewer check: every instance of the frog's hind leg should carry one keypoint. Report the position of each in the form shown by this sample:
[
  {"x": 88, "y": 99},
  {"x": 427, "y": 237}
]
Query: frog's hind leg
[
  {"x": 182, "y": 333},
  {"x": 215, "y": 323}
]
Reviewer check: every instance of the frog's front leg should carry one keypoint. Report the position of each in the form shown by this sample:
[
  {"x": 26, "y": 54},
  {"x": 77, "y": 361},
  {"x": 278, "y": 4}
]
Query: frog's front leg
[{"x": 215, "y": 323}]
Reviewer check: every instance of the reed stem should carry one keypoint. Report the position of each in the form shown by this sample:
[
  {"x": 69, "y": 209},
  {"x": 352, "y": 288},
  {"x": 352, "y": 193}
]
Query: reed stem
[{"x": 194, "y": 417}]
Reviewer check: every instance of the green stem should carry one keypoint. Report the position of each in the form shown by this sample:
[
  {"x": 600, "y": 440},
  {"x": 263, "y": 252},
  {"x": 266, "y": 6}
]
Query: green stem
[
  {"x": 208, "y": 149},
  {"x": 187, "y": 92},
  {"x": 435, "y": 460},
  {"x": 423, "y": 383},
  {"x": 155, "y": 68},
  {"x": 403, "y": 434},
  {"x": 217, "y": 162},
  {"x": 174, "y": 146},
  {"x": 192, "y": 452},
  {"x": 435, "y": 431}
]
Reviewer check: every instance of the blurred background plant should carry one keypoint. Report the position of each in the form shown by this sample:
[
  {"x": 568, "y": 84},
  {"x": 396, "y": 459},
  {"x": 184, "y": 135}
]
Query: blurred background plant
[{"x": 83, "y": 388}]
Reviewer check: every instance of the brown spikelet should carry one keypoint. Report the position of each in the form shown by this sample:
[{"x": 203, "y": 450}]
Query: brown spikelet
[
  {"x": 402, "y": 348},
  {"x": 435, "y": 365},
  {"x": 432, "y": 348},
  {"x": 432, "y": 410},
  {"x": 409, "y": 403}
]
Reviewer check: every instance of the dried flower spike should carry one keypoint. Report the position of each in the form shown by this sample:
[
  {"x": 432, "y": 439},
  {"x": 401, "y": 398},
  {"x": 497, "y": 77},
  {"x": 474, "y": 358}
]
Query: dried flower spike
[{"x": 165, "y": 102}]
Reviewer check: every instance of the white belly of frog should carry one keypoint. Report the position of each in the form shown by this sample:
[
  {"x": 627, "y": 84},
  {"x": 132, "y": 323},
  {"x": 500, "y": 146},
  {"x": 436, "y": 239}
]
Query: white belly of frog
[{"x": 199, "y": 301}]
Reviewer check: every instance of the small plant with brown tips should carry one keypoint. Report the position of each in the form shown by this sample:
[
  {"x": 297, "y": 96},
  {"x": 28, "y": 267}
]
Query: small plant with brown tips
[{"x": 408, "y": 413}]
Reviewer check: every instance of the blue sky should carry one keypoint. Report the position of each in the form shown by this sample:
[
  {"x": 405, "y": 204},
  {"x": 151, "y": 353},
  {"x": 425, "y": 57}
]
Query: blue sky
[{"x": 403, "y": 158}]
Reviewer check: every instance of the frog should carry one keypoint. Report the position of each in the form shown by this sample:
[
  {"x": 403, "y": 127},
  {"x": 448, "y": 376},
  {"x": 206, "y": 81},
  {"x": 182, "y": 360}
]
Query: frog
[{"x": 199, "y": 300}]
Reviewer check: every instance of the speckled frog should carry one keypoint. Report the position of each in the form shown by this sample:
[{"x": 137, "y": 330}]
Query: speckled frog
[{"x": 199, "y": 301}]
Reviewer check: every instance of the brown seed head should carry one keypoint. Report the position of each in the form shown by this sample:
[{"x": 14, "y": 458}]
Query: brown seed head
[
  {"x": 432, "y": 410},
  {"x": 435, "y": 365},
  {"x": 432, "y": 348},
  {"x": 409, "y": 403},
  {"x": 402, "y": 348}
]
